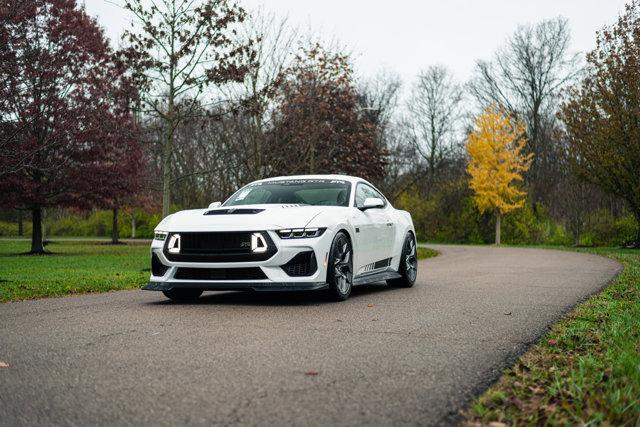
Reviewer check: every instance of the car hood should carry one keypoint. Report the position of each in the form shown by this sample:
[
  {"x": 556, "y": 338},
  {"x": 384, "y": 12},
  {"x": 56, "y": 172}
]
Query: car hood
[{"x": 266, "y": 217}]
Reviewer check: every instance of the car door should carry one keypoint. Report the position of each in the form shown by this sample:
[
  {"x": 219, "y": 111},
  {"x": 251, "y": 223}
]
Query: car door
[{"x": 374, "y": 232}]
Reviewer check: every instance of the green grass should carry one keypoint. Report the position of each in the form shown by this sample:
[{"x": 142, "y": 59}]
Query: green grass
[
  {"x": 585, "y": 371},
  {"x": 74, "y": 267},
  {"x": 78, "y": 267},
  {"x": 424, "y": 253}
]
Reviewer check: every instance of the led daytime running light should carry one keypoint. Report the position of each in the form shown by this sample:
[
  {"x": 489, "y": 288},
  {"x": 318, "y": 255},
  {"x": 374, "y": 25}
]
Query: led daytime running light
[{"x": 300, "y": 233}]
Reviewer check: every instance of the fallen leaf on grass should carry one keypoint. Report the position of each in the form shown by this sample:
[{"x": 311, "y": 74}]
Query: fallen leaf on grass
[
  {"x": 515, "y": 402},
  {"x": 312, "y": 373},
  {"x": 497, "y": 424},
  {"x": 552, "y": 342},
  {"x": 3, "y": 364},
  {"x": 536, "y": 390}
]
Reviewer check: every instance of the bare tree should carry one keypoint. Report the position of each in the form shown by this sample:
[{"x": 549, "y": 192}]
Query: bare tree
[
  {"x": 378, "y": 98},
  {"x": 435, "y": 113},
  {"x": 378, "y": 102},
  {"x": 526, "y": 77},
  {"x": 274, "y": 43},
  {"x": 178, "y": 50}
]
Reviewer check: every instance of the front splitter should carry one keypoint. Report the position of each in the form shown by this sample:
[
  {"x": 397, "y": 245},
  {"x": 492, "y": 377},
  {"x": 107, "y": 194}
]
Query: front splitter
[{"x": 235, "y": 286}]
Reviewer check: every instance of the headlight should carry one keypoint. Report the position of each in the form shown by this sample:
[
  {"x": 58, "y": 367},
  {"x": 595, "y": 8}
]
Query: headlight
[
  {"x": 160, "y": 235},
  {"x": 300, "y": 233}
]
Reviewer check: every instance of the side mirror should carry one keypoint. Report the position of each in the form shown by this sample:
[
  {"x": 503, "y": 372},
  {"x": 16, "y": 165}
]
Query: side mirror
[
  {"x": 215, "y": 205},
  {"x": 372, "y": 203}
]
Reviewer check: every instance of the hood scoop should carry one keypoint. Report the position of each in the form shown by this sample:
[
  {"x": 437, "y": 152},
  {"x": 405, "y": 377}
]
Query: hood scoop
[{"x": 234, "y": 211}]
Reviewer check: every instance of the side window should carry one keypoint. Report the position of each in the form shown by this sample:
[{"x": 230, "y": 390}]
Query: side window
[{"x": 363, "y": 192}]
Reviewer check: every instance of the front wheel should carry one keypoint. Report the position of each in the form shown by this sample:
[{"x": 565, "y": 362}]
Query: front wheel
[
  {"x": 408, "y": 264},
  {"x": 340, "y": 268},
  {"x": 183, "y": 294}
]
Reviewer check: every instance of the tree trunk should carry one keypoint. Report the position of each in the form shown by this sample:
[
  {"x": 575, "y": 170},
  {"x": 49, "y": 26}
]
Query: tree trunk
[
  {"x": 114, "y": 227},
  {"x": 636, "y": 244},
  {"x": 36, "y": 233},
  {"x": 166, "y": 172},
  {"x": 498, "y": 226},
  {"x": 133, "y": 227},
  {"x": 43, "y": 217},
  {"x": 20, "y": 224}
]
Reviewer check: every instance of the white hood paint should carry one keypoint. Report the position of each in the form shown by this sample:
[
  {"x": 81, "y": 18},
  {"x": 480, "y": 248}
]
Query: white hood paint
[{"x": 273, "y": 217}]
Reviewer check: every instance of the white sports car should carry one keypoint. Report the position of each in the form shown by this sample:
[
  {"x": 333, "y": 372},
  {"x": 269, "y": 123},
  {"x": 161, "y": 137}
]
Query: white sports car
[{"x": 288, "y": 233}]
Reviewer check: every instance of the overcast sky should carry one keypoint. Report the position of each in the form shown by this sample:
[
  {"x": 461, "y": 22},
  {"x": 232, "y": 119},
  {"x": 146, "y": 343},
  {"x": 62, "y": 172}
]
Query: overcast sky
[{"x": 407, "y": 35}]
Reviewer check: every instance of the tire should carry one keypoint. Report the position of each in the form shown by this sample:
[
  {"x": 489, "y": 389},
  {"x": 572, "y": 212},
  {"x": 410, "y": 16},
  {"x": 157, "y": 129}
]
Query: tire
[
  {"x": 340, "y": 268},
  {"x": 183, "y": 295},
  {"x": 408, "y": 264}
]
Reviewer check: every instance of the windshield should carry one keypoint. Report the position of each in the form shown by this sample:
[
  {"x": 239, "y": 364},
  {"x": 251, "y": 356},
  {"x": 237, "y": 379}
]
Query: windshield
[{"x": 317, "y": 192}]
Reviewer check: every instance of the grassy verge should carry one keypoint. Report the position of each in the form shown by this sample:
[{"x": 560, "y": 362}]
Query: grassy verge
[
  {"x": 78, "y": 267},
  {"x": 585, "y": 371},
  {"x": 424, "y": 253},
  {"x": 74, "y": 267}
]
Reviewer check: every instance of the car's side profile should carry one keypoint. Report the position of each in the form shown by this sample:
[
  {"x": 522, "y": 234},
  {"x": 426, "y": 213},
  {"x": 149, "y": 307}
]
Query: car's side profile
[{"x": 307, "y": 232}]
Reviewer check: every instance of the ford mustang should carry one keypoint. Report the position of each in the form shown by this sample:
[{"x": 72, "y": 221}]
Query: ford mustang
[{"x": 312, "y": 232}]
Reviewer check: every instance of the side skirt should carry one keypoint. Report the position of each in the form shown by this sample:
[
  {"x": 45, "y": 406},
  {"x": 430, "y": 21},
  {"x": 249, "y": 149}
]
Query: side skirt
[{"x": 379, "y": 276}]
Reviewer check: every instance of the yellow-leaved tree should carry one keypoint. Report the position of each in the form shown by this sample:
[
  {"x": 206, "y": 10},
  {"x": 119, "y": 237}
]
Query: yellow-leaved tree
[{"x": 496, "y": 163}]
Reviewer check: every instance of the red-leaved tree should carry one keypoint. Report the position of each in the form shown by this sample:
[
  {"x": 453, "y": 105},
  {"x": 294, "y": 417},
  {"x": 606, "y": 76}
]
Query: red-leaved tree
[
  {"x": 67, "y": 133},
  {"x": 319, "y": 126}
]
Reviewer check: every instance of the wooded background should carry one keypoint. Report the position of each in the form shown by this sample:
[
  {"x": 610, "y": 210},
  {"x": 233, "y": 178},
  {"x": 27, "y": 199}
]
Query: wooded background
[{"x": 203, "y": 98}]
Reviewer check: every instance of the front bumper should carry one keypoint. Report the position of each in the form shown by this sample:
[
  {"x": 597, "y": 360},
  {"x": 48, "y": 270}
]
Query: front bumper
[{"x": 276, "y": 279}]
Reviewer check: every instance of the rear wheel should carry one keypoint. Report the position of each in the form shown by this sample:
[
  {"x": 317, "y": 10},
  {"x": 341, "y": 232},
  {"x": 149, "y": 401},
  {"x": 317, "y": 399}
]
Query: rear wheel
[
  {"x": 408, "y": 264},
  {"x": 183, "y": 294},
  {"x": 340, "y": 268}
]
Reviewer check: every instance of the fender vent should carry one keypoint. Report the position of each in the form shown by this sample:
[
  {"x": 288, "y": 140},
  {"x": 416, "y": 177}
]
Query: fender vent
[{"x": 301, "y": 265}]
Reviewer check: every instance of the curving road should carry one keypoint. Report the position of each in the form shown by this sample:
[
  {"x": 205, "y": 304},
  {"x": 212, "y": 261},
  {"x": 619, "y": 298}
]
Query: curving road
[{"x": 385, "y": 356}]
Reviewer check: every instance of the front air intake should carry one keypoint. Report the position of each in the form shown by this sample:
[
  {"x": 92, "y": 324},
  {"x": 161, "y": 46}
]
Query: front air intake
[
  {"x": 188, "y": 273},
  {"x": 158, "y": 269},
  {"x": 302, "y": 265}
]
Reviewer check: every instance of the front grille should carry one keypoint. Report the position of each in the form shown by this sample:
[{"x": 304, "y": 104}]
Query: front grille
[
  {"x": 220, "y": 247},
  {"x": 253, "y": 273},
  {"x": 157, "y": 267},
  {"x": 301, "y": 265}
]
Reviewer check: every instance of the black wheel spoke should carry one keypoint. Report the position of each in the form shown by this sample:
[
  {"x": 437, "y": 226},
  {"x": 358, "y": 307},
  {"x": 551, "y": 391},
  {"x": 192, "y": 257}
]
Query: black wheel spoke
[{"x": 342, "y": 265}]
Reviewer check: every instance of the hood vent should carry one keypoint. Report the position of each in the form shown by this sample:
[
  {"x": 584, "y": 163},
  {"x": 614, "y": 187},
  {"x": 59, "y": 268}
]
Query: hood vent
[{"x": 234, "y": 211}]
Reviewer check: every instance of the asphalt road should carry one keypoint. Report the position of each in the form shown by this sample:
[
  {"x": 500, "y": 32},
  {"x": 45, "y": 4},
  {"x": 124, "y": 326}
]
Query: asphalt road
[{"x": 385, "y": 356}]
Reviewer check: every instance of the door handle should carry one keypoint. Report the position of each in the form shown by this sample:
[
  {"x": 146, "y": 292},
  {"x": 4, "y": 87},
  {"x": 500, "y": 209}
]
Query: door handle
[{"x": 389, "y": 224}]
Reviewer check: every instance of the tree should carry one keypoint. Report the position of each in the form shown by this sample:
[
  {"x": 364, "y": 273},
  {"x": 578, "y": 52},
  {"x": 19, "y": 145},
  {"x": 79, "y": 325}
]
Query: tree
[
  {"x": 273, "y": 48},
  {"x": 436, "y": 110},
  {"x": 378, "y": 102},
  {"x": 318, "y": 126},
  {"x": 496, "y": 163},
  {"x": 602, "y": 114},
  {"x": 65, "y": 102},
  {"x": 526, "y": 78},
  {"x": 181, "y": 48}
]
